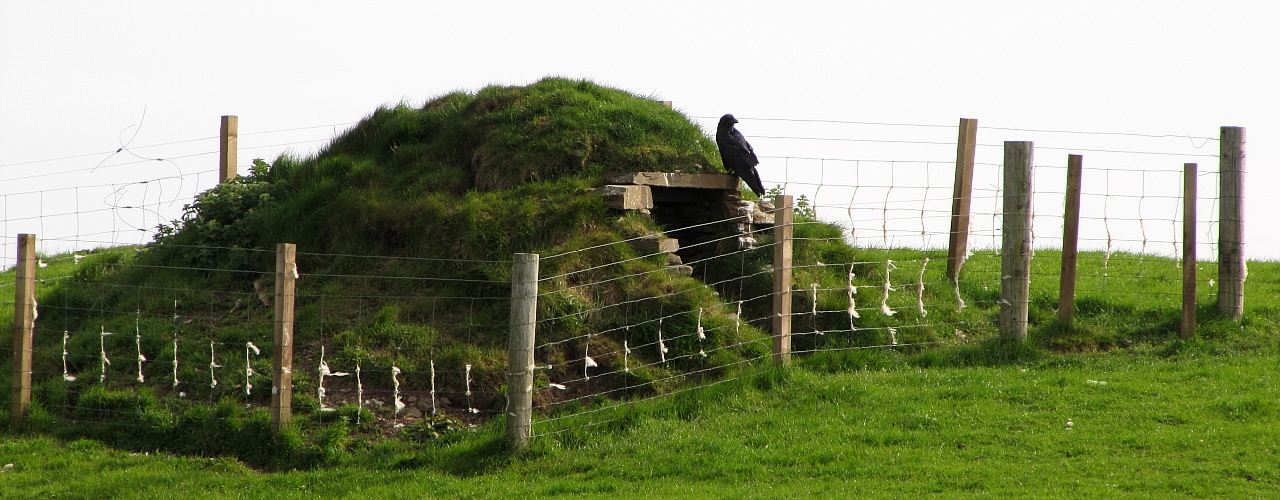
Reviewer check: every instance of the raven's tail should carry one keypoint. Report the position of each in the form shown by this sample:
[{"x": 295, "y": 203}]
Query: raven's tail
[{"x": 753, "y": 182}]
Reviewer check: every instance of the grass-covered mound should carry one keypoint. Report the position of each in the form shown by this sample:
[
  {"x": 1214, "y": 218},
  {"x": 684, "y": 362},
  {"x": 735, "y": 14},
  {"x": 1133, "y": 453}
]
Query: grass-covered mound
[
  {"x": 438, "y": 180},
  {"x": 468, "y": 179},
  {"x": 405, "y": 226}
]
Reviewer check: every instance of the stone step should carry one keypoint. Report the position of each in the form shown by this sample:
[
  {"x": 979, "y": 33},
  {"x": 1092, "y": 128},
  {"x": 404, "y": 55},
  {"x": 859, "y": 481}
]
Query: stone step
[
  {"x": 681, "y": 269},
  {"x": 656, "y": 244}
]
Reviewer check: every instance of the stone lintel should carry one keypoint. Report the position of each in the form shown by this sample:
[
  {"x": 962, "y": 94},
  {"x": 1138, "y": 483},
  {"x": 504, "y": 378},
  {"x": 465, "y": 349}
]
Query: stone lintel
[{"x": 680, "y": 180}]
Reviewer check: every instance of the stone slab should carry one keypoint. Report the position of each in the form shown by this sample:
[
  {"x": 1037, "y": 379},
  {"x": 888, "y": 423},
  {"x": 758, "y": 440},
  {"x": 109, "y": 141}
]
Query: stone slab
[
  {"x": 627, "y": 197},
  {"x": 666, "y": 179},
  {"x": 650, "y": 246}
]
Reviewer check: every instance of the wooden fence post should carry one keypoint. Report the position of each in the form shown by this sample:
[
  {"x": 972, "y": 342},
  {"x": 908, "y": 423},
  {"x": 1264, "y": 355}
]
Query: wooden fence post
[
  {"x": 282, "y": 351},
  {"x": 782, "y": 280},
  {"x": 228, "y": 148},
  {"x": 520, "y": 340},
  {"x": 1015, "y": 260},
  {"x": 24, "y": 308},
  {"x": 962, "y": 197},
  {"x": 1231, "y": 271},
  {"x": 1188, "y": 250},
  {"x": 1070, "y": 240}
]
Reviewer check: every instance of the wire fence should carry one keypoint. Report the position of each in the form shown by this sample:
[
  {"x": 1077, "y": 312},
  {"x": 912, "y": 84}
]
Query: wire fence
[
  {"x": 617, "y": 323},
  {"x": 660, "y": 345},
  {"x": 375, "y": 342},
  {"x": 891, "y": 187},
  {"x": 119, "y": 196},
  {"x": 891, "y": 191}
]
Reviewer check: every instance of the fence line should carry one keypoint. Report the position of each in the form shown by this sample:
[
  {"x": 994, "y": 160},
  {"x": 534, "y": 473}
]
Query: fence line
[
  {"x": 594, "y": 338},
  {"x": 147, "y": 352},
  {"x": 57, "y": 202}
]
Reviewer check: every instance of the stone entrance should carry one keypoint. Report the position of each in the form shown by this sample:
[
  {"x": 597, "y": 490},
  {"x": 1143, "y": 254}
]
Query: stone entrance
[{"x": 703, "y": 215}]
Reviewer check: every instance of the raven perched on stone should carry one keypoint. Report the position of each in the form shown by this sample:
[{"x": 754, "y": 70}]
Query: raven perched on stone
[{"x": 738, "y": 156}]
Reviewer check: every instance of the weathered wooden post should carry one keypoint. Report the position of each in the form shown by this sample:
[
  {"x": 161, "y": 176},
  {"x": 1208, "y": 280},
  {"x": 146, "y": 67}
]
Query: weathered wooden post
[
  {"x": 1015, "y": 254},
  {"x": 228, "y": 148},
  {"x": 1231, "y": 265},
  {"x": 24, "y": 308},
  {"x": 282, "y": 352},
  {"x": 1188, "y": 250},
  {"x": 520, "y": 338},
  {"x": 962, "y": 197},
  {"x": 782, "y": 280},
  {"x": 1070, "y": 240}
]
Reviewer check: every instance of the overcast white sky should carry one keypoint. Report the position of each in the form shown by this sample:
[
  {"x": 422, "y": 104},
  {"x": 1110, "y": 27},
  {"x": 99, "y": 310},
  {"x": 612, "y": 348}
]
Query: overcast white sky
[{"x": 76, "y": 77}]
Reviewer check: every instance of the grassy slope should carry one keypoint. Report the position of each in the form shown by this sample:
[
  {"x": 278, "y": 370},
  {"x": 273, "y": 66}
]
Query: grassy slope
[{"x": 1188, "y": 425}]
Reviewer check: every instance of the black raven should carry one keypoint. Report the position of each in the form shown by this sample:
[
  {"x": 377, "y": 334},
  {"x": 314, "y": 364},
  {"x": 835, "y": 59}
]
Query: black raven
[{"x": 738, "y": 156}]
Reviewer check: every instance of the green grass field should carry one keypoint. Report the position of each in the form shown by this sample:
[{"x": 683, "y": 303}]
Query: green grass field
[
  {"x": 1151, "y": 417},
  {"x": 1146, "y": 423}
]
